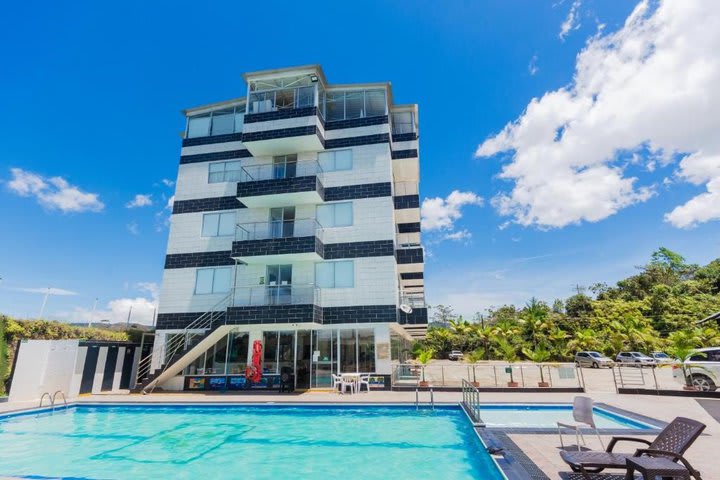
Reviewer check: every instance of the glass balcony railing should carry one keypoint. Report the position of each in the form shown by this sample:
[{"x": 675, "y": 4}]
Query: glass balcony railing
[
  {"x": 414, "y": 300},
  {"x": 278, "y": 170},
  {"x": 281, "y": 99},
  {"x": 303, "y": 227},
  {"x": 267, "y": 295}
]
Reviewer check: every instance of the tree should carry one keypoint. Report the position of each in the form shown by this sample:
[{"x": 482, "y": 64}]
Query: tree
[{"x": 442, "y": 315}]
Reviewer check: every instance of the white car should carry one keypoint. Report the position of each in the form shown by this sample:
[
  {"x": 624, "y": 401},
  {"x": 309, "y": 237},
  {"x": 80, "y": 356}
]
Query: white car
[
  {"x": 662, "y": 358},
  {"x": 636, "y": 358},
  {"x": 702, "y": 370},
  {"x": 456, "y": 355}
]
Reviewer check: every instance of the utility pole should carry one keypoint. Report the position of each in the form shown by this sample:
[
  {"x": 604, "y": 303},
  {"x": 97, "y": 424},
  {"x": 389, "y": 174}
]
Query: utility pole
[
  {"x": 92, "y": 315},
  {"x": 154, "y": 316},
  {"x": 127, "y": 325},
  {"x": 42, "y": 308}
]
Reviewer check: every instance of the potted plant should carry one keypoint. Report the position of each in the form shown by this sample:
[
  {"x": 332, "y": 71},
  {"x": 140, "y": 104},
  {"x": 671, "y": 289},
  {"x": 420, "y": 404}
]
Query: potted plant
[
  {"x": 424, "y": 358},
  {"x": 539, "y": 355},
  {"x": 472, "y": 358},
  {"x": 508, "y": 353}
]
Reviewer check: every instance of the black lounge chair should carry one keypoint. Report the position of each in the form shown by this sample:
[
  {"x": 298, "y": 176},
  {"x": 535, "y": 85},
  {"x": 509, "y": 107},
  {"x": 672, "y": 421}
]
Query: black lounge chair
[{"x": 670, "y": 443}]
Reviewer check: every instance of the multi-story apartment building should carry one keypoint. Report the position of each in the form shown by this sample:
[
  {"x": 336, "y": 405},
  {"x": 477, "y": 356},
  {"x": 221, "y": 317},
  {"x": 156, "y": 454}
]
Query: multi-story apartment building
[{"x": 296, "y": 223}]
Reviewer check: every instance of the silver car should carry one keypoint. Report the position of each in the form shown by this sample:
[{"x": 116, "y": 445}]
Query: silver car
[
  {"x": 592, "y": 359},
  {"x": 636, "y": 358}
]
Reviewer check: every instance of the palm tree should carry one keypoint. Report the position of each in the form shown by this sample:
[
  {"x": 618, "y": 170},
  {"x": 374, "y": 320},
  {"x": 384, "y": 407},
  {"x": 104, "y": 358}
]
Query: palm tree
[
  {"x": 539, "y": 355},
  {"x": 509, "y": 354}
]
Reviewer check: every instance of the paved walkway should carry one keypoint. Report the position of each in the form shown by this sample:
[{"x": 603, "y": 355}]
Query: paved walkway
[{"x": 542, "y": 449}]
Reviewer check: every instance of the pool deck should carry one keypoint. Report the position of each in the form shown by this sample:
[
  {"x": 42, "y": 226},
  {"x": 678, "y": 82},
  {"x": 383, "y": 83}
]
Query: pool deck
[{"x": 541, "y": 448}]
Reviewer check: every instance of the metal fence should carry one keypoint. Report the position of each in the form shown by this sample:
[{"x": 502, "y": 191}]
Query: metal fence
[
  {"x": 701, "y": 376},
  {"x": 490, "y": 375},
  {"x": 471, "y": 400}
]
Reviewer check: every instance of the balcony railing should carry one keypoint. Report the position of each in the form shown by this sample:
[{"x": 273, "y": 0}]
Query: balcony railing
[
  {"x": 275, "y": 171},
  {"x": 281, "y": 99},
  {"x": 267, "y": 295},
  {"x": 301, "y": 227},
  {"x": 414, "y": 300}
]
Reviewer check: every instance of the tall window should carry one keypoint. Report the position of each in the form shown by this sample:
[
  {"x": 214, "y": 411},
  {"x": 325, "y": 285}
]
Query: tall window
[
  {"x": 335, "y": 274},
  {"x": 285, "y": 166},
  {"x": 218, "y": 224},
  {"x": 348, "y": 104},
  {"x": 219, "y": 122},
  {"x": 335, "y": 214},
  {"x": 213, "y": 280},
  {"x": 336, "y": 160},
  {"x": 224, "y": 172},
  {"x": 402, "y": 122}
]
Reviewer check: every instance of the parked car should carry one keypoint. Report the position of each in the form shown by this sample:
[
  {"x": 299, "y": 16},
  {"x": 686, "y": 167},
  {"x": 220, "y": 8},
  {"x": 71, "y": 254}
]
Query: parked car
[
  {"x": 455, "y": 355},
  {"x": 640, "y": 359},
  {"x": 662, "y": 358},
  {"x": 702, "y": 369},
  {"x": 592, "y": 359}
]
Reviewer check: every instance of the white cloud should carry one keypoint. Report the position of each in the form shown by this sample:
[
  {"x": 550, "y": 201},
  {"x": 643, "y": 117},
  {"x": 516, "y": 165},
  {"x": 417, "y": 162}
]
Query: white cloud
[
  {"x": 649, "y": 87},
  {"x": 167, "y": 182},
  {"x": 457, "y": 236},
  {"x": 53, "y": 193},
  {"x": 133, "y": 228},
  {"x": 572, "y": 21},
  {"x": 532, "y": 66},
  {"x": 442, "y": 213},
  {"x": 162, "y": 218},
  {"x": 150, "y": 287},
  {"x": 140, "y": 200},
  {"x": 51, "y": 291},
  {"x": 116, "y": 311}
]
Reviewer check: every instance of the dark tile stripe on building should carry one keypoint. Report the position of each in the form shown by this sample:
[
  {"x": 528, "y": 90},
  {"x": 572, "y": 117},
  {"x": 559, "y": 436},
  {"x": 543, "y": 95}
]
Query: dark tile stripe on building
[
  {"x": 418, "y": 316},
  {"x": 281, "y": 133},
  {"x": 406, "y": 201},
  {"x": 409, "y": 227},
  {"x": 398, "y": 154},
  {"x": 214, "y": 156},
  {"x": 280, "y": 114},
  {"x": 356, "y": 122},
  {"x": 404, "y": 137},
  {"x": 278, "y": 186},
  {"x": 230, "y": 137},
  {"x": 377, "y": 248},
  {"x": 199, "y": 259},
  {"x": 409, "y": 255},
  {"x": 206, "y": 205},
  {"x": 357, "y": 141},
  {"x": 352, "y": 192},
  {"x": 277, "y": 246},
  {"x": 411, "y": 276}
]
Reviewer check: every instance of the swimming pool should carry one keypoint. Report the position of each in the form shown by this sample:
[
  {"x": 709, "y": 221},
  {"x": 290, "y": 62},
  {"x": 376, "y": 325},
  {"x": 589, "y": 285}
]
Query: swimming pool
[
  {"x": 547, "y": 416},
  {"x": 259, "y": 442}
]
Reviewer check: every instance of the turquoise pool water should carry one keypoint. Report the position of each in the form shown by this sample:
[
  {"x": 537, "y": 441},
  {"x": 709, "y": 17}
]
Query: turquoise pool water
[
  {"x": 547, "y": 416},
  {"x": 258, "y": 442}
]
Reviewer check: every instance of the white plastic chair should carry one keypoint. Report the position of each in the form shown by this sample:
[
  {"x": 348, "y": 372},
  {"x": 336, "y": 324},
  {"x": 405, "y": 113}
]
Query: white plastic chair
[
  {"x": 347, "y": 382},
  {"x": 583, "y": 416},
  {"x": 337, "y": 381},
  {"x": 363, "y": 380}
]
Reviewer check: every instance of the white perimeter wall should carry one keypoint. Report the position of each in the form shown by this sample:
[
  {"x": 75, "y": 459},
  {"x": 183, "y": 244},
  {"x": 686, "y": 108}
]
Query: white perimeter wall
[{"x": 43, "y": 366}]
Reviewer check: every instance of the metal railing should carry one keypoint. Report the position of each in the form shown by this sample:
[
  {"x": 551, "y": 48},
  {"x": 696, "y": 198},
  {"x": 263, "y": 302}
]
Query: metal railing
[
  {"x": 666, "y": 376},
  {"x": 280, "y": 170},
  {"x": 180, "y": 341},
  {"x": 490, "y": 374},
  {"x": 281, "y": 99},
  {"x": 414, "y": 300},
  {"x": 471, "y": 400},
  {"x": 300, "y": 227},
  {"x": 264, "y": 295}
]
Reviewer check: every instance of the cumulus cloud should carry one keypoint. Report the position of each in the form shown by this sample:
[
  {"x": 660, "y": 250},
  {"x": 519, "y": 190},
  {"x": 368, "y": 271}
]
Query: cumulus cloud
[
  {"x": 650, "y": 87},
  {"x": 572, "y": 21},
  {"x": 458, "y": 236},
  {"x": 442, "y": 213},
  {"x": 117, "y": 310},
  {"x": 140, "y": 200},
  {"x": 53, "y": 193}
]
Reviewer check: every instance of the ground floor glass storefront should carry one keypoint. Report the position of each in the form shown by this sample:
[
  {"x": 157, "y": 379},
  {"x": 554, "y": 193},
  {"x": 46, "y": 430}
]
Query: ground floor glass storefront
[{"x": 311, "y": 356}]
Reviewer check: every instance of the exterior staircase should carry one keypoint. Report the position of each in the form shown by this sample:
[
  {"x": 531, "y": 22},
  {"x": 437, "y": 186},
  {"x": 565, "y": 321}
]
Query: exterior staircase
[{"x": 183, "y": 348}]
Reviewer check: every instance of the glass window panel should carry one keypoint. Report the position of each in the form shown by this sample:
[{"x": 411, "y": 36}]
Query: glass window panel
[
  {"x": 348, "y": 359},
  {"x": 238, "y": 353},
  {"x": 343, "y": 214},
  {"x": 402, "y": 122},
  {"x": 343, "y": 160},
  {"x": 286, "y": 352},
  {"x": 217, "y": 167},
  {"x": 227, "y": 224},
  {"x": 198, "y": 126},
  {"x": 222, "y": 280},
  {"x": 306, "y": 97},
  {"x": 204, "y": 281},
  {"x": 239, "y": 118},
  {"x": 222, "y": 122},
  {"x": 326, "y": 161},
  {"x": 210, "y": 224},
  {"x": 354, "y": 107},
  {"x": 232, "y": 166},
  {"x": 270, "y": 344},
  {"x": 344, "y": 274},
  {"x": 215, "y": 359},
  {"x": 366, "y": 350},
  {"x": 335, "y": 106},
  {"x": 375, "y": 103},
  {"x": 324, "y": 214},
  {"x": 325, "y": 275}
]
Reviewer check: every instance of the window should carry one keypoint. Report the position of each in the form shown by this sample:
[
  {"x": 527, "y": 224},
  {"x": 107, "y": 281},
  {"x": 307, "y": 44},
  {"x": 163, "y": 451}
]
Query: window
[
  {"x": 335, "y": 274},
  {"x": 335, "y": 214},
  {"x": 220, "y": 122},
  {"x": 213, "y": 280},
  {"x": 224, "y": 172},
  {"x": 285, "y": 166},
  {"x": 343, "y": 105},
  {"x": 218, "y": 224},
  {"x": 335, "y": 160},
  {"x": 402, "y": 122}
]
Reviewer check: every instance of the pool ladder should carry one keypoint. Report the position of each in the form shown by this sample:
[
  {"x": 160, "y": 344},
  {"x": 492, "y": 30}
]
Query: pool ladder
[
  {"x": 417, "y": 398},
  {"x": 53, "y": 399}
]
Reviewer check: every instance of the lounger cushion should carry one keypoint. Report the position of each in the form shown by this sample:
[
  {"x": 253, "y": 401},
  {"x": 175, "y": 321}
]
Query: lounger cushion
[{"x": 595, "y": 459}]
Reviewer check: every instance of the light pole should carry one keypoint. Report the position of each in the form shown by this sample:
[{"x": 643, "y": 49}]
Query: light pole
[
  {"x": 127, "y": 324},
  {"x": 92, "y": 315},
  {"x": 42, "y": 308}
]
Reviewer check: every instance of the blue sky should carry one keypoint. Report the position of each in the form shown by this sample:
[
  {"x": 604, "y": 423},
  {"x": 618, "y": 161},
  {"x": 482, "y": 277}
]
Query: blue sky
[{"x": 91, "y": 94}]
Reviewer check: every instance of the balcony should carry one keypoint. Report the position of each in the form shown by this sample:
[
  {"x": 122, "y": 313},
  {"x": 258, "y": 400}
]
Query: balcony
[
  {"x": 283, "y": 241},
  {"x": 283, "y": 120},
  {"x": 263, "y": 304},
  {"x": 285, "y": 181}
]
